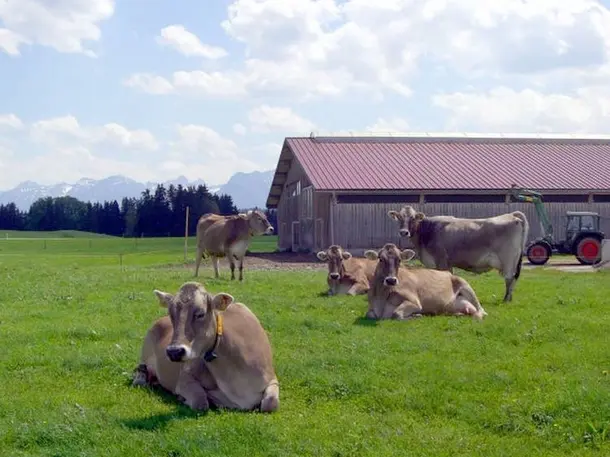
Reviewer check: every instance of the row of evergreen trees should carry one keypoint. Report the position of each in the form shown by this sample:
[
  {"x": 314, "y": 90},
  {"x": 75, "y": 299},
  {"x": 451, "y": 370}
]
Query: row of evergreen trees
[{"x": 158, "y": 213}]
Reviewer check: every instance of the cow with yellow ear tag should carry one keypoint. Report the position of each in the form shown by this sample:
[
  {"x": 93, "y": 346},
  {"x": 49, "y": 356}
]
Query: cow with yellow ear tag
[{"x": 210, "y": 351}]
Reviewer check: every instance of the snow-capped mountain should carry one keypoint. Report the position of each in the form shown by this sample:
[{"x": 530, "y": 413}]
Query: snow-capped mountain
[{"x": 247, "y": 189}]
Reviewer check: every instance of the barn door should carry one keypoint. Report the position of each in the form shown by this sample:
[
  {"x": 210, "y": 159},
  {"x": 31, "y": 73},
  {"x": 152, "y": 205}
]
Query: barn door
[
  {"x": 296, "y": 236},
  {"x": 320, "y": 234}
]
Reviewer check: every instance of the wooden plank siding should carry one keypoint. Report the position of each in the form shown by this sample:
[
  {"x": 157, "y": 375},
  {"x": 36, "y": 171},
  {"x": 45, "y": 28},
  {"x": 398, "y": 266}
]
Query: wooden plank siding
[
  {"x": 289, "y": 208},
  {"x": 367, "y": 225}
]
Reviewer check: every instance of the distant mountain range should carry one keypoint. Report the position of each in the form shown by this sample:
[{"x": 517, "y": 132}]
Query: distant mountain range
[{"x": 247, "y": 189}]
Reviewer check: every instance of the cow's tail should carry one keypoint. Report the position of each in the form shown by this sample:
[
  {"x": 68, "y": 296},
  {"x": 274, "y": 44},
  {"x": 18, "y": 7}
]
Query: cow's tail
[
  {"x": 271, "y": 397},
  {"x": 525, "y": 233}
]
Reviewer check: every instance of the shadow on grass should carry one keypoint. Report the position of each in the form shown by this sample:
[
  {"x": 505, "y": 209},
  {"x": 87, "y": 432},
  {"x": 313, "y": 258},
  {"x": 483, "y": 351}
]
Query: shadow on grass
[
  {"x": 365, "y": 322},
  {"x": 160, "y": 421}
]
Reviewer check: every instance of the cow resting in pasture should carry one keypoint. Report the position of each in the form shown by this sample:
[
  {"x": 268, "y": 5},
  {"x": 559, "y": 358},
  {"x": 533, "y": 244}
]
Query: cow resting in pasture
[
  {"x": 475, "y": 245},
  {"x": 228, "y": 236},
  {"x": 346, "y": 274},
  {"x": 209, "y": 351},
  {"x": 401, "y": 293}
]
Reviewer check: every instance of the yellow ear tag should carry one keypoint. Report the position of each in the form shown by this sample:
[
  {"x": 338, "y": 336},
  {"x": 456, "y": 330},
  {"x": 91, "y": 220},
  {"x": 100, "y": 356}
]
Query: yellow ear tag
[{"x": 219, "y": 324}]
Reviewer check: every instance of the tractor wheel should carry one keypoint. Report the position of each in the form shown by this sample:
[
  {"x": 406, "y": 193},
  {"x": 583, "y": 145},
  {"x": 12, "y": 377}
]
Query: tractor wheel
[
  {"x": 588, "y": 250},
  {"x": 538, "y": 253}
]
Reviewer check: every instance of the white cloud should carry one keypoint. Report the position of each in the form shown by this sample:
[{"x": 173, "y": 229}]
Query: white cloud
[
  {"x": 151, "y": 84},
  {"x": 10, "y": 121},
  {"x": 62, "y": 25},
  {"x": 64, "y": 131},
  {"x": 203, "y": 153},
  {"x": 504, "y": 109},
  {"x": 187, "y": 43},
  {"x": 240, "y": 129},
  {"x": 266, "y": 155},
  {"x": 63, "y": 149},
  {"x": 265, "y": 118},
  {"x": 389, "y": 125},
  {"x": 326, "y": 48},
  {"x": 10, "y": 41},
  {"x": 213, "y": 84},
  {"x": 117, "y": 135},
  {"x": 203, "y": 140},
  {"x": 216, "y": 84}
]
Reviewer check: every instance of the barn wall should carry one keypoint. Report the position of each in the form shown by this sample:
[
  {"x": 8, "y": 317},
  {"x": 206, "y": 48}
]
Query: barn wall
[
  {"x": 296, "y": 205},
  {"x": 322, "y": 210},
  {"x": 367, "y": 225}
]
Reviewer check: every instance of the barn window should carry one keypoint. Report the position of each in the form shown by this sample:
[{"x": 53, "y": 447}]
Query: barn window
[
  {"x": 601, "y": 198},
  {"x": 565, "y": 198},
  {"x": 464, "y": 198},
  {"x": 378, "y": 198}
]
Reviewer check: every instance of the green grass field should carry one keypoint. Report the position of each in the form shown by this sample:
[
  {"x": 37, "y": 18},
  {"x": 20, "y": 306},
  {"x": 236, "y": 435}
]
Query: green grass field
[
  {"x": 61, "y": 234},
  {"x": 533, "y": 379}
]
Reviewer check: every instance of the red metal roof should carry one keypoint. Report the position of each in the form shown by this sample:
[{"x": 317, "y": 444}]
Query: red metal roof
[{"x": 455, "y": 163}]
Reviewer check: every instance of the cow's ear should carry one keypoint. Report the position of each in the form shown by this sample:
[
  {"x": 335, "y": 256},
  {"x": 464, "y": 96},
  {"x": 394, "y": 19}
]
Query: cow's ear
[
  {"x": 419, "y": 216},
  {"x": 322, "y": 256},
  {"x": 221, "y": 301},
  {"x": 249, "y": 213},
  {"x": 407, "y": 254},
  {"x": 371, "y": 255},
  {"x": 165, "y": 299},
  {"x": 393, "y": 214},
  {"x": 346, "y": 255}
]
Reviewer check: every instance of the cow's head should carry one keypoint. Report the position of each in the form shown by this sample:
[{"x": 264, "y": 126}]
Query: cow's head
[
  {"x": 192, "y": 311},
  {"x": 389, "y": 258},
  {"x": 258, "y": 222},
  {"x": 334, "y": 257},
  {"x": 407, "y": 219}
]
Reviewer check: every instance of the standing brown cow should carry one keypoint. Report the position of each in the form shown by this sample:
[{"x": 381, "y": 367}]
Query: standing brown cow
[
  {"x": 228, "y": 236},
  {"x": 402, "y": 293},
  {"x": 346, "y": 275},
  {"x": 475, "y": 245}
]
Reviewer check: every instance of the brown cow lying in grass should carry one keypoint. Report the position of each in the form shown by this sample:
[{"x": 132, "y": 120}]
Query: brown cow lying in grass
[
  {"x": 209, "y": 350},
  {"x": 401, "y": 293},
  {"x": 346, "y": 274}
]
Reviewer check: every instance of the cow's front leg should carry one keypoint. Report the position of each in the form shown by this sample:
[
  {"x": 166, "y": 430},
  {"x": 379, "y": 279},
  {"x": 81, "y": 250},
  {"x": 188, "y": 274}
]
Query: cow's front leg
[
  {"x": 375, "y": 309},
  {"x": 357, "y": 289},
  {"x": 215, "y": 265},
  {"x": 192, "y": 392},
  {"x": 407, "y": 310},
  {"x": 241, "y": 268},
  {"x": 443, "y": 264},
  {"x": 232, "y": 264}
]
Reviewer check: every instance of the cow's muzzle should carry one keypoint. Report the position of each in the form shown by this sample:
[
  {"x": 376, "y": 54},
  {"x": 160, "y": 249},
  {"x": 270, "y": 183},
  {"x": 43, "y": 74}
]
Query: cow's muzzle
[
  {"x": 176, "y": 353},
  {"x": 391, "y": 281},
  {"x": 269, "y": 230},
  {"x": 404, "y": 232},
  {"x": 334, "y": 276}
]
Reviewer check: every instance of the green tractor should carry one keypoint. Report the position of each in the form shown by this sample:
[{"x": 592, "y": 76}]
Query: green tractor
[{"x": 583, "y": 236}]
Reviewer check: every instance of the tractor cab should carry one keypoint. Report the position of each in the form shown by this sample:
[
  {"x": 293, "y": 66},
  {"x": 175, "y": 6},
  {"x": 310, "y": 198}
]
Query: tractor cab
[{"x": 580, "y": 221}]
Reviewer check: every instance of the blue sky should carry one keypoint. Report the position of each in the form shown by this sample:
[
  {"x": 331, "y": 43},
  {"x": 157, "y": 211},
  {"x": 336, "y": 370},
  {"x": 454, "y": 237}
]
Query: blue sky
[{"x": 157, "y": 89}]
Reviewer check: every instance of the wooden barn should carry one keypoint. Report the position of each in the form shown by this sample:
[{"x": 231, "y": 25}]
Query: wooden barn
[{"x": 338, "y": 190}]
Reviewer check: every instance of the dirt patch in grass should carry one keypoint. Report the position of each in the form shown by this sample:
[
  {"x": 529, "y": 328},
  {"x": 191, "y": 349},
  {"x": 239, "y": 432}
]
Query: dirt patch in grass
[{"x": 265, "y": 261}]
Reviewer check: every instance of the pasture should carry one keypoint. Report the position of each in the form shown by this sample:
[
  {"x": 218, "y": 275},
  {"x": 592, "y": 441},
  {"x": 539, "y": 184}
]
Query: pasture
[{"x": 532, "y": 379}]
